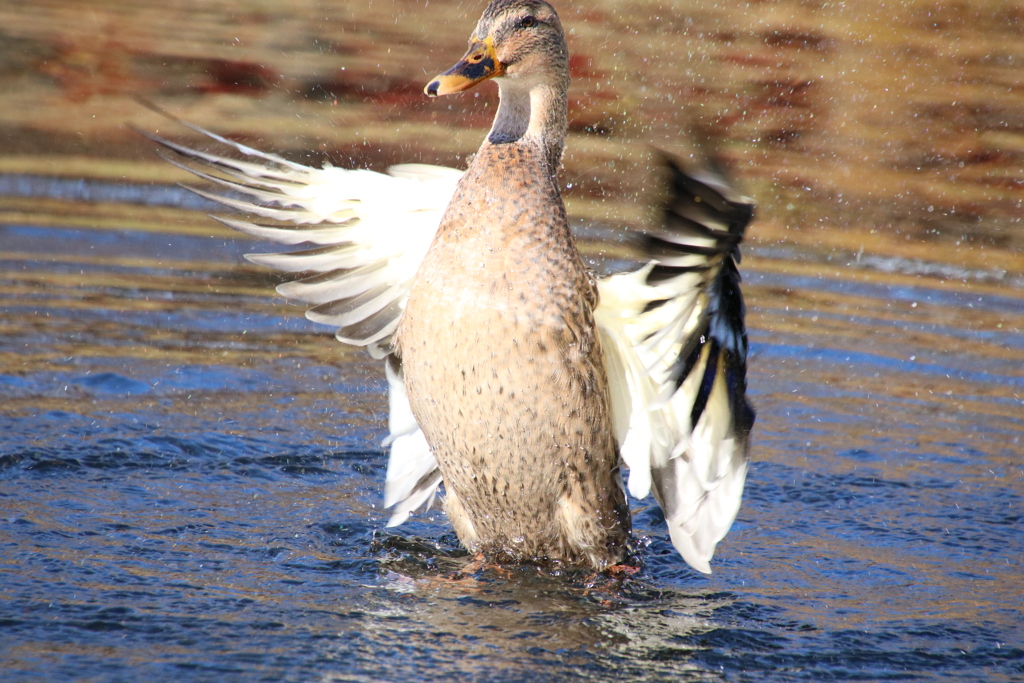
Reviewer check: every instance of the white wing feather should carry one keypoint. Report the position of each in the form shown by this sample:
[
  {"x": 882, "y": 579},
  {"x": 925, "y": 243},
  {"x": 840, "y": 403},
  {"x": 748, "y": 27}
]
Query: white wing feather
[
  {"x": 413, "y": 475},
  {"x": 370, "y": 232},
  {"x": 675, "y": 349}
]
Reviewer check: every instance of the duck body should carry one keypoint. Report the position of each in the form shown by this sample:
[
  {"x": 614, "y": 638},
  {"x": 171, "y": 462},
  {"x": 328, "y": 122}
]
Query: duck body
[
  {"x": 505, "y": 374},
  {"x": 516, "y": 380}
]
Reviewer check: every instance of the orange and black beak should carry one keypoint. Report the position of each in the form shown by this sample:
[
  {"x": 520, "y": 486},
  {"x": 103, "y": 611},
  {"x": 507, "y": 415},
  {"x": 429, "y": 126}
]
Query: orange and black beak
[{"x": 479, "y": 64}]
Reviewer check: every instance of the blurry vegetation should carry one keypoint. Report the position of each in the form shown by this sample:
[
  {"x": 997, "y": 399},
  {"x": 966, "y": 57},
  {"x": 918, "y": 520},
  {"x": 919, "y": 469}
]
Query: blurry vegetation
[{"x": 860, "y": 125}]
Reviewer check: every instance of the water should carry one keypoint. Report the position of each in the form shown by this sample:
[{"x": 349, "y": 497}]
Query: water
[{"x": 191, "y": 475}]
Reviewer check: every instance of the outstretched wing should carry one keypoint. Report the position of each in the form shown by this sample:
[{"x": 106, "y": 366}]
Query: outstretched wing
[
  {"x": 675, "y": 350},
  {"x": 364, "y": 235},
  {"x": 365, "y": 232}
]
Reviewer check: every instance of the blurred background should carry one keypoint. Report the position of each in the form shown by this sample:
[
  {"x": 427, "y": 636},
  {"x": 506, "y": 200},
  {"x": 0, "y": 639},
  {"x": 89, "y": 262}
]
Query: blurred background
[{"x": 881, "y": 128}]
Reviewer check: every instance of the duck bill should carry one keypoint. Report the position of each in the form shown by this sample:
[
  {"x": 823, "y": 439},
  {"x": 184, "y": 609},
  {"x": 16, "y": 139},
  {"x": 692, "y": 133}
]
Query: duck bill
[{"x": 479, "y": 64}]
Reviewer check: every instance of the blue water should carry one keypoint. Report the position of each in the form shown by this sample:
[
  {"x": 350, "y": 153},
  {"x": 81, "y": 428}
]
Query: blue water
[{"x": 191, "y": 481}]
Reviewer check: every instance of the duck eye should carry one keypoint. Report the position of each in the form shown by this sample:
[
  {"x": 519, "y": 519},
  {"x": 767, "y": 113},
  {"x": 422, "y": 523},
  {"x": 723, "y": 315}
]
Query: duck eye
[{"x": 527, "y": 22}]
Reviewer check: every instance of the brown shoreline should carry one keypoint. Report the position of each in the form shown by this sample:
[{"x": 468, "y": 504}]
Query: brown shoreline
[{"x": 896, "y": 131}]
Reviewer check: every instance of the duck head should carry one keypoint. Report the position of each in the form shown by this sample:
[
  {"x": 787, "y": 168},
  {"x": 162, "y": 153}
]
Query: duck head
[{"x": 518, "y": 41}]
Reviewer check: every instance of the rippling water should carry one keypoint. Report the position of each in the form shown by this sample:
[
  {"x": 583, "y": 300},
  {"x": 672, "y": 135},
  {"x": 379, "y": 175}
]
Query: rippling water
[
  {"x": 190, "y": 488},
  {"x": 191, "y": 473}
]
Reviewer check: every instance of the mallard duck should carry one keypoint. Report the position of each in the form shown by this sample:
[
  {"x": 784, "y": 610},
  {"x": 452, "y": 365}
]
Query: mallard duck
[{"x": 516, "y": 378}]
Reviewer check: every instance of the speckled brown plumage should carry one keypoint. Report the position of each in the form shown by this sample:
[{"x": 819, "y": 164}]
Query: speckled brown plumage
[
  {"x": 502, "y": 362},
  {"x": 470, "y": 286}
]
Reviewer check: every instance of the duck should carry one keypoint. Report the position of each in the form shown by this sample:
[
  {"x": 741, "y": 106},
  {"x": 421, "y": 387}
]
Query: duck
[{"x": 518, "y": 380}]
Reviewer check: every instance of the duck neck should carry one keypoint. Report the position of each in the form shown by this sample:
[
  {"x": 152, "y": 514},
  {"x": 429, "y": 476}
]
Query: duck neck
[{"x": 532, "y": 115}]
